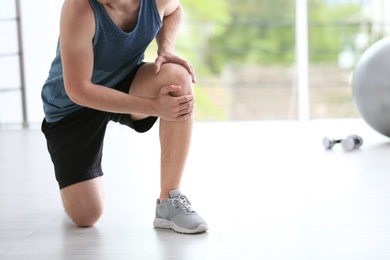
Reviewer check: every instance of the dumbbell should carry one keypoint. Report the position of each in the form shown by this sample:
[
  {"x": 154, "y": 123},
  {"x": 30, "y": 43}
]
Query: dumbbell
[
  {"x": 328, "y": 143},
  {"x": 352, "y": 142}
]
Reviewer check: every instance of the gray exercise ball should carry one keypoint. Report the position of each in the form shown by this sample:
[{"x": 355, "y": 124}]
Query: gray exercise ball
[{"x": 371, "y": 86}]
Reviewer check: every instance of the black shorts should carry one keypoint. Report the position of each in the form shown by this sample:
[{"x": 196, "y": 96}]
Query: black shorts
[{"x": 75, "y": 143}]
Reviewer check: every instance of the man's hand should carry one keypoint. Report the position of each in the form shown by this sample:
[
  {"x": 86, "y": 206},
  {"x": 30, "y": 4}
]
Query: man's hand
[
  {"x": 171, "y": 108},
  {"x": 171, "y": 58}
]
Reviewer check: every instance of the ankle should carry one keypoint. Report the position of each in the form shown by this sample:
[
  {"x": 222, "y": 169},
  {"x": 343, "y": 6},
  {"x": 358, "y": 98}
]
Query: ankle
[{"x": 165, "y": 193}]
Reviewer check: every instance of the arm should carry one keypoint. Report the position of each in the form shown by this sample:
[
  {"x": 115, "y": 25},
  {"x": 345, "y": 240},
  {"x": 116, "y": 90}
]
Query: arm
[
  {"x": 77, "y": 28},
  {"x": 166, "y": 37},
  {"x": 172, "y": 19}
]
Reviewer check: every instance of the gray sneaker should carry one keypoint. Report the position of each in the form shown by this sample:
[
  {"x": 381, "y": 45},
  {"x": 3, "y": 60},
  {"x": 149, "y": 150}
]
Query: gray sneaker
[{"x": 176, "y": 213}]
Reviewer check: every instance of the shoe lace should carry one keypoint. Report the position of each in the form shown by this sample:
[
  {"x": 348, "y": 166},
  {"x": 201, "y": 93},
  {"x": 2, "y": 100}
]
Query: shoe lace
[{"x": 183, "y": 204}]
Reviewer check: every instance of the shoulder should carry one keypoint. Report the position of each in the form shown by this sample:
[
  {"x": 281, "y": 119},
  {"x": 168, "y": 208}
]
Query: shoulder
[
  {"x": 77, "y": 9},
  {"x": 77, "y": 14},
  {"x": 77, "y": 24},
  {"x": 167, "y": 7},
  {"x": 81, "y": 5}
]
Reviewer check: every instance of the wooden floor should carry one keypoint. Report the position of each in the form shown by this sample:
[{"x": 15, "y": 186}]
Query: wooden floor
[{"x": 268, "y": 190}]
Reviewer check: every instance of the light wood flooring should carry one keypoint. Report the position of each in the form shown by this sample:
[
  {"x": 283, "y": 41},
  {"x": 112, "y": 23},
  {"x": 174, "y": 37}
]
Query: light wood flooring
[{"x": 267, "y": 189}]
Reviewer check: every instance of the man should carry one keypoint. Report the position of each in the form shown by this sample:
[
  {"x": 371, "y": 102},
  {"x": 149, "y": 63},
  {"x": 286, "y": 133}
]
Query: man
[{"x": 98, "y": 76}]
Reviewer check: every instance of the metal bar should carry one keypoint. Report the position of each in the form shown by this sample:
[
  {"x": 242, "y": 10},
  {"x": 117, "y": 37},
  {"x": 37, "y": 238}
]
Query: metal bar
[
  {"x": 7, "y": 19},
  {"x": 9, "y": 89},
  {"x": 21, "y": 63},
  {"x": 10, "y": 54}
]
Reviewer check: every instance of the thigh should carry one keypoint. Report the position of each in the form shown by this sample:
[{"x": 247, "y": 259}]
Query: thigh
[
  {"x": 84, "y": 201},
  {"x": 75, "y": 145}
]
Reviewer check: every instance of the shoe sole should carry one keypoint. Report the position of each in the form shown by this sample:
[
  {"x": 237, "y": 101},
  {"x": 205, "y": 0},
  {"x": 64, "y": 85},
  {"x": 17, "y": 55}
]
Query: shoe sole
[{"x": 166, "y": 224}]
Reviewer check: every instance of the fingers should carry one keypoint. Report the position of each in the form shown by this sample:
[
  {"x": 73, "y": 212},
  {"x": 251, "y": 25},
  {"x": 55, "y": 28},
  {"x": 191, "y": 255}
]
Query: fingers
[
  {"x": 185, "y": 104},
  {"x": 192, "y": 73},
  {"x": 168, "y": 89},
  {"x": 185, "y": 117},
  {"x": 188, "y": 67},
  {"x": 184, "y": 107},
  {"x": 187, "y": 109},
  {"x": 186, "y": 113},
  {"x": 157, "y": 65},
  {"x": 162, "y": 59},
  {"x": 174, "y": 107},
  {"x": 181, "y": 116},
  {"x": 157, "y": 68}
]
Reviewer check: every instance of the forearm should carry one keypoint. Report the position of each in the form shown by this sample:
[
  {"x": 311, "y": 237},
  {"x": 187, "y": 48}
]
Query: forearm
[
  {"x": 166, "y": 38},
  {"x": 110, "y": 100}
]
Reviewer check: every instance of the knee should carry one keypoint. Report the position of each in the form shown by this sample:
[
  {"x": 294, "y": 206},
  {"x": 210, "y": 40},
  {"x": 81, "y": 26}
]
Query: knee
[
  {"x": 178, "y": 75},
  {"x": 84, "y": 202},
  {"x": 83, "y": 212},
  {"x": 86, "y": 217}
]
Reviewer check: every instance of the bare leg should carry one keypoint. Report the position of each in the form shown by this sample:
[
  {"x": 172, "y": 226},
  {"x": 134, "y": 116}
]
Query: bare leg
[
  {"x": 84, "y": 202},
  {"x": 175, "y": 137}
]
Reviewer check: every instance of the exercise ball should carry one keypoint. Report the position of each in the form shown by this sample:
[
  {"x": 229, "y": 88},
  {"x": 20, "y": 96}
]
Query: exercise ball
[{"x": 371, "y": 86}]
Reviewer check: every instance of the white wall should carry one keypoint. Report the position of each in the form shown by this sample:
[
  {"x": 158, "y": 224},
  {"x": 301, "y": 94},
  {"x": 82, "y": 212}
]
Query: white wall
[
  {"x": 40, "y": 23},
  {"x": 41, "y": 29}
]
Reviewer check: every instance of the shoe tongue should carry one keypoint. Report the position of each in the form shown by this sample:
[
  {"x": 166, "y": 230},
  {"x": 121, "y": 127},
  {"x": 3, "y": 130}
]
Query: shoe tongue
[{"x": 173, "y": 194}]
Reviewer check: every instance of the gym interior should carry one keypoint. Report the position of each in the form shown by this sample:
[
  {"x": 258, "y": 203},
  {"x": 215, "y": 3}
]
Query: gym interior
[{"x": 288, "y": 155}]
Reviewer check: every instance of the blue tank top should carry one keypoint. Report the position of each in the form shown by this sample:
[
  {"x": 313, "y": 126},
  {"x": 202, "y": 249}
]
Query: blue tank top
[{"x": 116, "y": 53}]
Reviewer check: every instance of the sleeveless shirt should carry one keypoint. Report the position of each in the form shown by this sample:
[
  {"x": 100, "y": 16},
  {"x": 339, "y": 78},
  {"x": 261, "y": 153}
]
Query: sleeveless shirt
[{"x": 116, "y": 54}]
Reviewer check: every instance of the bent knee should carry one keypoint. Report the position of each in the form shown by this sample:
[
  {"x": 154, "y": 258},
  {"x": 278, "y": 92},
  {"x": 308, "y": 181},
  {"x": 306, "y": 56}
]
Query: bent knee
[
  {"x": 86, "y": 217},
  {"x": 177, "y": 75},
  {"x": 84, "y": 202}
]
